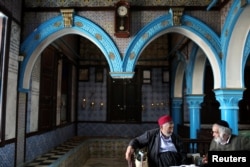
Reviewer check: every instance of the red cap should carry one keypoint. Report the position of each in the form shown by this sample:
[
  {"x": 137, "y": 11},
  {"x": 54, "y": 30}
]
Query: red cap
[{"x": 164, "y": 119}]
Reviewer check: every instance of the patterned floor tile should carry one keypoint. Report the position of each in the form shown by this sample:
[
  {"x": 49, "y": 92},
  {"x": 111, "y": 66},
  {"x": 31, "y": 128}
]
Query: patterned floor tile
[{"x": 53, "y": 155}]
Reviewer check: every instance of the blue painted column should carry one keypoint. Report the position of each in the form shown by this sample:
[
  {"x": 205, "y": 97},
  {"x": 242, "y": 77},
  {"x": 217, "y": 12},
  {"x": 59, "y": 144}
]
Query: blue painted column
[
  {"x": 194, "y": 102},
  {"x": 176, "y": 112},
  {"x": 229, "y": 99}
]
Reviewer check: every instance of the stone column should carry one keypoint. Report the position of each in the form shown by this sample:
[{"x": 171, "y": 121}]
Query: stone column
[
  {"x": 194, "y": 102},
  {"x": 176, "y": 112}
]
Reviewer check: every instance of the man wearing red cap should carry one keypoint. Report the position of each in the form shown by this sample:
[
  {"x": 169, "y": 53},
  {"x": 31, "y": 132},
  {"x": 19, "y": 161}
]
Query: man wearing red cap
[{"x": 163, "y": 146}]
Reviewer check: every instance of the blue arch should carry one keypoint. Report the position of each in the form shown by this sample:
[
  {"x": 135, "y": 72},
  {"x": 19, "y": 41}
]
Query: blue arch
[
  {"x": 190, "y": 69},
  {"x": 143, "y": 38},
  {"x": 237, "y": 50},
  {"x": 229, "y": 25},
  {"x": 230, "y": 22},
  {"x": 246, "y": 51},
  {"x": 178, "y": 69},
  {"x": 53, "y": 29},
  {"x": 164, "y": 24}
]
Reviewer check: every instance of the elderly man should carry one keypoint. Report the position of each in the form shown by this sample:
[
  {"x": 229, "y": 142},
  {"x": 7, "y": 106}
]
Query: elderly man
[
  {"x": 163, "y": 146},
  {"x": 224, "y": 140}
]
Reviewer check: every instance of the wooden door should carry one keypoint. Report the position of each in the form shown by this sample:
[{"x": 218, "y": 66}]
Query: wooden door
[
  {"x": 48, "y": 87},
  {"x": 124, "y": 100}
]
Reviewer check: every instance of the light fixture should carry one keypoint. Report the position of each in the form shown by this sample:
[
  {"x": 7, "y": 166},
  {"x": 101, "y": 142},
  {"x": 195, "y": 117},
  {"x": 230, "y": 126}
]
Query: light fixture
[
  {"x": 84, "y": 103},
  {"x": 142, "y": 107},
  {"x": 101, "y": 105},
  {"x": 92, "y": 104}
]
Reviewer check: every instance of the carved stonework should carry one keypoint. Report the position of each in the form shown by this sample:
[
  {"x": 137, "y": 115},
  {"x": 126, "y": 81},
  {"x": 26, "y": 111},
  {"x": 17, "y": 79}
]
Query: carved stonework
[
  {"x": 78, "y": 24},
  {"x": 177, "y": 14},
  {"x": 57, "y": 24},
  {"x": 98, "y": 36},
  {"x": 67, "y": 17},
  {"x": 132, "y": 56},
  {"x": 111, "y": 56}
]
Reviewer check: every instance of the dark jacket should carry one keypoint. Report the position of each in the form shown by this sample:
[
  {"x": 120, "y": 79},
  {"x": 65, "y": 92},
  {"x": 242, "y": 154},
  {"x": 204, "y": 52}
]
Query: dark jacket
[
  {"x": 151, "y": 140},
  {"x": 236, "y": 143}
]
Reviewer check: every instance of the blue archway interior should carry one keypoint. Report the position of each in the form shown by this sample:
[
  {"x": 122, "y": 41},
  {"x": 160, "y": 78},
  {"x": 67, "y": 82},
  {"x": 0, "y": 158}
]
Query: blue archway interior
[
  {"x": 191, "y": 28},
  {"x": 54, "y": 28}
]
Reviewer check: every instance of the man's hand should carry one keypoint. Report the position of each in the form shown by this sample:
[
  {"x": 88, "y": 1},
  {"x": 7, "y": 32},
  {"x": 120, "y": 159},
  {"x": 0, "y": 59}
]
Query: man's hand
[
  {"x": 129, "y": 153},
  {"x": 204, "y": 159}
]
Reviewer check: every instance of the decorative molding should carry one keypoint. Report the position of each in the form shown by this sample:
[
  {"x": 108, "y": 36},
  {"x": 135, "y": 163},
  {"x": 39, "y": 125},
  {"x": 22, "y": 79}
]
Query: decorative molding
[
  {"x": 176, "y": 102},
  {"x": 229, "y": 98},
  {"x": 177, "y": 14},
  {"x": 204, "y": 31},
  {"x": 157, "y": 28},
  {"x": 35, "y": 42},
  {"x": 67, "y": 17},
  {"x": 230, "y": 22},
  {"x": 148, "y": 33},
  {"x": 121, "y": 75},
  {"x": 194, "y": 100}
]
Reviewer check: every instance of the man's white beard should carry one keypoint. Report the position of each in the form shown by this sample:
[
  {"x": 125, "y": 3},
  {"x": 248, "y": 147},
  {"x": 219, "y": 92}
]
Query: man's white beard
[
  {"x": 168, "y": 134},
  {"x": 218, "y": 140}
]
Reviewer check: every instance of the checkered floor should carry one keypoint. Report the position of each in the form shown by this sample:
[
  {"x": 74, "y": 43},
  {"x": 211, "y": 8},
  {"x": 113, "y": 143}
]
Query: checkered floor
[{"x": 52, "y": 156}]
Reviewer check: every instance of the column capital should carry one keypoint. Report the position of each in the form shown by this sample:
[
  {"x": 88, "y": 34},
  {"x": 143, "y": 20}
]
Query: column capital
[
  {"x": 229, "y": 98},
  {"x": 194, "y": 100},
  {"x": 177, "y": 101}
]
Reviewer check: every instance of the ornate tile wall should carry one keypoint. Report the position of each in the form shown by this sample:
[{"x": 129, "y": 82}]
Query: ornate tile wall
[
  {"x": 14, "y": 6},
  {"x": 78, "y": 150},
  {"x": 111, "y": 130},
  {"x": 40, "y": 144},
  {"x": 155, "y": 93},
  {"x": 93, "y": 92},
  {"x": 208, "y": 17},
  {"x": 154, "y": 98},
  {"x": 7, "y": 155},
  {"x": 57, "y": 3},
  {"x": 73, "y": 152}
]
